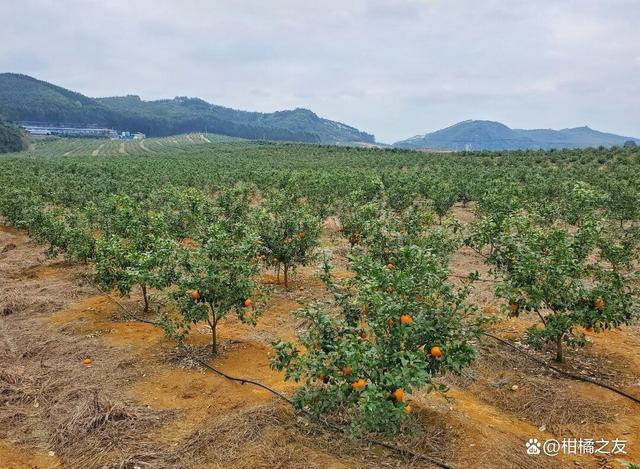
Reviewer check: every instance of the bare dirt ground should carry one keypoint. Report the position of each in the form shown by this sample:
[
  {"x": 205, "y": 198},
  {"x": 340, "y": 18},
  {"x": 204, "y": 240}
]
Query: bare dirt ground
[{"x": 142, "y": 404}]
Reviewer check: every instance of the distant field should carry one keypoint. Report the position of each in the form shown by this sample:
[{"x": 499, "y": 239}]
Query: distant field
[{"x": 104, "y": 147}]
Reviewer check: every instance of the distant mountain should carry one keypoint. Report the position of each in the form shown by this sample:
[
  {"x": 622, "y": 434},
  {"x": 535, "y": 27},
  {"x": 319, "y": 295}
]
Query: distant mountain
[
  {"x": 23, "y": 98},
  {"x": 489, "y": 135}
]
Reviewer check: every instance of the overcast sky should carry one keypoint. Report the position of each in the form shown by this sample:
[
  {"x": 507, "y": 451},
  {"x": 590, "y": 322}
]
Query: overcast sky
[{"x": 392, "y": 68}]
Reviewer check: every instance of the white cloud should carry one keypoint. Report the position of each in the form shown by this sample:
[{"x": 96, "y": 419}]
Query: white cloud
[{"x": 394, "y": 68}]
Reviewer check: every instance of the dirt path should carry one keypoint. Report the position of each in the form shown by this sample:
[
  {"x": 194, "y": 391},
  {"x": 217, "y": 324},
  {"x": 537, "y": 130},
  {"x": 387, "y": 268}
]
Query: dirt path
[
  {"x": 144, "y": 147},
  {"x": 96, "y": 152},
  {"x": 172, "y": 415}
]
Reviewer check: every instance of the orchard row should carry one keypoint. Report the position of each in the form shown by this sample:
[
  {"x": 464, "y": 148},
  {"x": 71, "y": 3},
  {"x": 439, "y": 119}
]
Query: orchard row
[{"x": 559, "y": 230}]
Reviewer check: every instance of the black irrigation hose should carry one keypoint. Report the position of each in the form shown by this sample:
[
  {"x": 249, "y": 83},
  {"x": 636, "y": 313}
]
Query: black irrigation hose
[
  {"x": 330, "y": 425},
  {"x": 586, "y": 379},
  {"x": 122, "y": 307},
  {"x": 403, "y": 451}
]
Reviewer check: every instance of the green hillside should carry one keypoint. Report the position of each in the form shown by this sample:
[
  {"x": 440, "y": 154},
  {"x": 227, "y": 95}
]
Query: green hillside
[
  {"x": 23, "y": 98},
  {"x": 12, "y": 139}
]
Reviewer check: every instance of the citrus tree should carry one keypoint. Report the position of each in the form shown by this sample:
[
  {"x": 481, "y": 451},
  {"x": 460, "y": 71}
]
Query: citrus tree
[
  {"x": 288, "y": 232},
  {"x": 360, "y": 220},
  {"x": 216, "y": 278},
  {"x": 566, "y": 277},
  {"x": 137, "y": 250},
  {"x": 390, "y": 331},
  {"x": 442, "y": 196}
]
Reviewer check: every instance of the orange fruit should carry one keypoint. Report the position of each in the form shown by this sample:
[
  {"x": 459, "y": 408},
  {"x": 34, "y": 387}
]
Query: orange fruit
[
  {"x": 195, "y": 295},
  {"x": 406, "y": 319},
  {"x": 398, "y": 395},
  {"x": 87, "y": 361},
  {"x": 346, "y": 370},
  {"x": 436, "y": 352},
  {"x": 389, "y": 290},
  {"x": 390, "y": 266},
  {"x": 599, "y": 303},
  {"x": 248, "y": 303},
  {"x": 408, "y": 409},
  {"x": 513, "y": 307},
  {"x": 361, "y": 383},
  {"x": 589, "y": 329}
]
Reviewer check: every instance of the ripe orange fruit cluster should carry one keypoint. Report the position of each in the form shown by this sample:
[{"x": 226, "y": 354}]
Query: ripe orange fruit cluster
[
  {"x": 346, "y": 370},
  {"x": 599, "y": 303},
  {"x": 248, "y": 303},
  {"x": 390, "y": 266},
  {"x": 436, "y": 352},
  {"x": 195, "y": 295},
  {"x": 398, "y": 395},
  {"x": 87, "y": 361},
  {"x": 408, "y": 409},
  {"x": 406, "y": 319},
  {"x": 360, "y": 384}
]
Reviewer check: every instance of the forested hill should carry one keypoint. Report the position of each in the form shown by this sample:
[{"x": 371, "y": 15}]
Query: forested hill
[
  {"x": 23, "y": 98},
  {"x": 12, "y": 138}
]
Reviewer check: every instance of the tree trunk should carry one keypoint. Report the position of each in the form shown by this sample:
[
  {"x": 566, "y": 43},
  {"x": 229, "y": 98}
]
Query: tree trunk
[
  {"x": 286, "y": 275},
  {"x": 145, "y": 297},
  {"x": 278, "y": 275},
  {"x": 214, "y": 342},
  {"x": 559, "y": 357}
]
